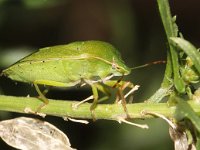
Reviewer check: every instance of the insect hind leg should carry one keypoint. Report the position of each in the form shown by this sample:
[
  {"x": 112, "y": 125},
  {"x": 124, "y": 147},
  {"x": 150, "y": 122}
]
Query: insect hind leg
[
  {"x": 42, "y": 97},
  {"x": 42, "y": 94}
]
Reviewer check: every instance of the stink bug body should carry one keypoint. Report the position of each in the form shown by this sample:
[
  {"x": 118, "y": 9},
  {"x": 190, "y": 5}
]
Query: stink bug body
[{"x": 91, "y": 62}]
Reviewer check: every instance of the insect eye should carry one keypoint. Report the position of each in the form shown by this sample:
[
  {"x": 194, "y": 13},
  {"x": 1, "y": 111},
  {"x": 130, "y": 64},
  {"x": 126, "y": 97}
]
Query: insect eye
[{"x": 115, "y": 66}]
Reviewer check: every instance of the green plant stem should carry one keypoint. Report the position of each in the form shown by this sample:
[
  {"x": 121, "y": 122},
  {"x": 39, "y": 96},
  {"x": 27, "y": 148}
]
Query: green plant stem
[
  {"x": 172, "y": 67},
  {"x": 63, "y": 108},
  {"x": 166, "y": 84},
  {"x": 171, "y": 30}
]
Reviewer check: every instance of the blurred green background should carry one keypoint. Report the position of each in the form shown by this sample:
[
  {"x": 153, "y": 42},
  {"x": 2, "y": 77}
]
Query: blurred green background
[{"x": 133, "y": 26}]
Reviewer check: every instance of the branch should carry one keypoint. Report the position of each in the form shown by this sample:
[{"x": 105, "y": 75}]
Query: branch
[{"x": 63, "y": 108}]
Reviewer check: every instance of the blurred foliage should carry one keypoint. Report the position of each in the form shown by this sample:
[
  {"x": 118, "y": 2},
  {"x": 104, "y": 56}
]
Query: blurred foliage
[
  {"x": 132, "y": 26},
  {"x": 30, "y": 4}
]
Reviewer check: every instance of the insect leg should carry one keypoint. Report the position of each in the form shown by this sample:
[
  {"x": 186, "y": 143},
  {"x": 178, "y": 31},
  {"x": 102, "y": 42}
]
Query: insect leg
[
  {"x": 95, "y": 88},
  {"x": 121, "y": 86},
  {"x": 104, "y": 90},
  {"x": 100, "y": 88},
  {"x": 123, "y": 101},
  {"x": 94, "y": 104},
  {"x": 117, "y": 82},
  {"x": 45, "y": 91},
  {"x": 41, "y": 96},
  {"x": 124, "y": 85}
]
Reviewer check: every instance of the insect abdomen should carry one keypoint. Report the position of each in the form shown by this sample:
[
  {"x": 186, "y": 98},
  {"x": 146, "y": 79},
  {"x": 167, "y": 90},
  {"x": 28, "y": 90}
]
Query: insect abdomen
[
  {"x": 65, "y": 71},
  {"x": 43, "y": 70}
]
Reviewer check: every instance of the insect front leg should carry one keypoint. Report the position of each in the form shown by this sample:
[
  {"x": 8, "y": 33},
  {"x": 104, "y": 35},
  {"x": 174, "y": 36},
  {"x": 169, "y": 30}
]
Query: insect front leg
[
  {"x": 128, "y": 84},
  {"x": 123, "y": 100},
  {"x": 121, "y": 86}
]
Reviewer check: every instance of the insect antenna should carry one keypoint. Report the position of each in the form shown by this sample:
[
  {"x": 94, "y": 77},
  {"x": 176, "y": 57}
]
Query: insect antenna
[{"x": 149, "y": 64}]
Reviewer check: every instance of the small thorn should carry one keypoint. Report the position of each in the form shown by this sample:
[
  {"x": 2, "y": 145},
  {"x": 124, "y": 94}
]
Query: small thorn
[
  {"x": 143, "y": 126},
  {"x": 135, "y": 88},
  {"x": 76, "y": 120},
  {"x": 75, "y": 106},
  {"x": 160, "y": 116}
]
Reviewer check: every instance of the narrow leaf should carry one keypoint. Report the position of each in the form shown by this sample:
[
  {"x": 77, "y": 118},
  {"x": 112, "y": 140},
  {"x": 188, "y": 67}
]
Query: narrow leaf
[
  {"x": 171, "y": 29},
  {"x": 168, "y": 21},
  {"x": 189, "y": 49}
]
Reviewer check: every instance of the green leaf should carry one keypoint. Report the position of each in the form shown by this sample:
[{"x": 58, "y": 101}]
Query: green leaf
[
  {"x": 168, "y": 21},
  {"x": 171, "y": 29},
  {"x": 189, "y": 49},
  {"x": 184, "y": 110}
]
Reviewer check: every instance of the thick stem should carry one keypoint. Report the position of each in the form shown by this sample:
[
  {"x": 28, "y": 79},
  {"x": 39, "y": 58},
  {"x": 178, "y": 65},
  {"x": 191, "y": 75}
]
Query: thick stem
[{"x": 64, "y": 108}]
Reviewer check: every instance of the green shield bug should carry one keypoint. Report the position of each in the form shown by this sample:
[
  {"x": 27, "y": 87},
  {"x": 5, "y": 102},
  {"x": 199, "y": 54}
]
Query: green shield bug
[{"x": 87, "y": 62}]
